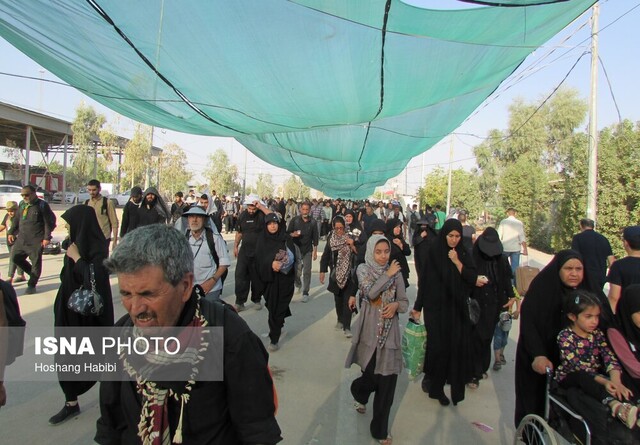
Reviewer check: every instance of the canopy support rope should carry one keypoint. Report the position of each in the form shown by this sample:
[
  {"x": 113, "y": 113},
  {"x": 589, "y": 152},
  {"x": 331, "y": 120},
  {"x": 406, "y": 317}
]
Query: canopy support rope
[{"x": 184, "y": 98}]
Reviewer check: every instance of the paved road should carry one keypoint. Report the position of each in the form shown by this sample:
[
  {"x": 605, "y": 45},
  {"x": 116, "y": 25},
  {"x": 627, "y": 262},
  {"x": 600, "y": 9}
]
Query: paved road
[{"x": 312, "y": 383}]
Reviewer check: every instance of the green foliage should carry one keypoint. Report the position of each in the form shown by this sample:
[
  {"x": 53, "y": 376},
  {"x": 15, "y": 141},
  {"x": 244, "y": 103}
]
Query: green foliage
[
  {"x": 539, "y": 166},
  {"x": 264, "y": 185},
  {"x": 173, "y": 173},
  {"x": 137, "y": 156},
  {"x": 295, "y": 188},
  {"x": 221, "y": 174},
  {"x": 86, "y": 128},
  {"x": 465, "y": 191}
]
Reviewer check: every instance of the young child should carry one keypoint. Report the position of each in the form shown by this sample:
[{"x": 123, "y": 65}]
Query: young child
[
  {"x": 585, "y": 357},
  {"x": 6, "y": 224}
]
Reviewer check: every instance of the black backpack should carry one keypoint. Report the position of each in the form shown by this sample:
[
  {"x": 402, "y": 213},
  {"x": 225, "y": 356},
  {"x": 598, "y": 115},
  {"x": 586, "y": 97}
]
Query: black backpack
[
  {"x": 103, "y": 209},
  {"x": 212, "y": 248},
  {"x": 15, "y": 321}
]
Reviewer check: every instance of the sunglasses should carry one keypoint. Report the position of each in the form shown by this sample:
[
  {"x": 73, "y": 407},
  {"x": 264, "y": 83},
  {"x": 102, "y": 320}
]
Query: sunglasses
[{"x": 25, "y": 195}]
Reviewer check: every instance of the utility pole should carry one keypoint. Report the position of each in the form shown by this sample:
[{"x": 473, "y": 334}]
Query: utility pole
[
  {"x": 592, "y": 186},
  {"x": 450, "y": 171}
]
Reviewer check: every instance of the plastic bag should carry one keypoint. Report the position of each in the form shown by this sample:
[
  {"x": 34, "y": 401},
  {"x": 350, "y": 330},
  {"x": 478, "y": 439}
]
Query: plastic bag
[{"x": 414, "y": 346}]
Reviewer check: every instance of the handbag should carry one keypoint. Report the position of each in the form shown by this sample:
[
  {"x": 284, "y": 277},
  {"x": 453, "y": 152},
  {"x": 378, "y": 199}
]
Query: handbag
[
  {"x": 414, "y": 347},
  {"x": 474, "y": 310},
  {"x": 86, "y": 301},
  {"x": 333, "y": 283}
]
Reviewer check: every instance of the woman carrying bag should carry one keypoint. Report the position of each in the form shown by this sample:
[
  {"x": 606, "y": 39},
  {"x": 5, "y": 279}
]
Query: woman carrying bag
[
  {"x": 276, "y": 271},
  {"x": 86, "y": 250}
]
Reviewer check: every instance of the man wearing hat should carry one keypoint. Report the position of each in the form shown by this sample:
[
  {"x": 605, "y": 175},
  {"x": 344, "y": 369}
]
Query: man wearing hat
[
  {"x": 250, "y": 226},
  {"x": 626, "y": 271},
  {"x": 210, "y": 256},
  {"x": 7, "y": 222},
  {"x": 130, "y": 211}
]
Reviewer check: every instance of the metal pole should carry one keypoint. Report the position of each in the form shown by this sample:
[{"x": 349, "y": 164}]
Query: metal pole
[
  {"x": 64, "y": 169},
  {"x": 148, "y": 178},
  {"x": 27, "y": 156},
  {"x": 450, "y": 171},
  {"x": 592, "y": 186},
  {"x": 244, "y": 178}
]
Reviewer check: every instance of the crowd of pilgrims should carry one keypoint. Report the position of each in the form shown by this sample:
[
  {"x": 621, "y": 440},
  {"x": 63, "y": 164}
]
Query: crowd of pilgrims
[{"x": 367, "y": 245}]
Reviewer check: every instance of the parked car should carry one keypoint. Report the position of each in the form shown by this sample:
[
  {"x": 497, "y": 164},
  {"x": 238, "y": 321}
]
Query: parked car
[
  {"x": 75, "y": 198},
  {"x": 47, "y": 195},
  {"x": 123, "y": 198},
  {"x": 12, "y": 193},
  {"x": 63, "y": 196}
]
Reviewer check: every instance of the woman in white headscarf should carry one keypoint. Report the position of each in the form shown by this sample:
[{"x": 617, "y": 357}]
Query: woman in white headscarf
[{"x": 376, "y": 344}]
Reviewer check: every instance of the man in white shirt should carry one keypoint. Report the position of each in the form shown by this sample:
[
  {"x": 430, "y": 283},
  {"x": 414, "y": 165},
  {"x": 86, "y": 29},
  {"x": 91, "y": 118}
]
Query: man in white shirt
[
  {"x": 511, "y": 232},
  {"x": 210, "y": 254}
]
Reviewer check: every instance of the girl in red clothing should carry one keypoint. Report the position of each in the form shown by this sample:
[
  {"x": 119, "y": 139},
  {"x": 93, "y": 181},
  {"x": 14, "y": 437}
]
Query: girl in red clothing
[{"x": 585, "y": 358}]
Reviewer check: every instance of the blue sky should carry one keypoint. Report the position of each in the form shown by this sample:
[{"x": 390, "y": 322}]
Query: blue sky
[{"x": 543, "y": 71}]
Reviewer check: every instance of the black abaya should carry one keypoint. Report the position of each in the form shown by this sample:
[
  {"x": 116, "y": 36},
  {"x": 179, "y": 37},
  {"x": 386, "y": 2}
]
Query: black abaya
[
  {"x": 443, "y": 293},
  {"x": 85, "y": 232},
  {"x": 541, "y": 320},
  {"x": 279, "y": 287},
  {"x": 491, "y": 298}
]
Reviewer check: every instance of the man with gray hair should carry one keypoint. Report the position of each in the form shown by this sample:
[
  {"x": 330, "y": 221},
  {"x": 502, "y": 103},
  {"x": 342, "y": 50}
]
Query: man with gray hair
[{"x": 154, "y": 267}]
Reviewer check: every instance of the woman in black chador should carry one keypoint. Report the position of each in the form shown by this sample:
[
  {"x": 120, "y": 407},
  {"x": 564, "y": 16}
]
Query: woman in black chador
[
  {"x": 492, "y": 292},
  {"x": 86, "y": 246},
  {"x": 541, "y": 319},
  {"x": 444, "y": 288},
  {"x": 272, "y": 246}
]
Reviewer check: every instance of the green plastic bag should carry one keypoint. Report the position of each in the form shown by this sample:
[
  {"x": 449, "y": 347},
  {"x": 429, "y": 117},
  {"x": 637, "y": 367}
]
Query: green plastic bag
[{"x": 414, "y": 346}]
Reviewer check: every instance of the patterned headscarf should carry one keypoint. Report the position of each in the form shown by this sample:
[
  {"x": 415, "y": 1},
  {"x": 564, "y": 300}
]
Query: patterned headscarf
[
  {"x": 368, "y": 275},
  {"x": 343, "y": 262}
]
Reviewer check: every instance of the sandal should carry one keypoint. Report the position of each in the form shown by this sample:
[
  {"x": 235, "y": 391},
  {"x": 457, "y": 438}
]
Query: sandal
[
  {"x": 387, "y": 441},
  {"x": 626, "y": 413},
  {"x": 503, "y": 361},
  {"x": 497, "y": 366},
  {"x": 360, "y": 408},
  {"x": 473, "y": 384}
]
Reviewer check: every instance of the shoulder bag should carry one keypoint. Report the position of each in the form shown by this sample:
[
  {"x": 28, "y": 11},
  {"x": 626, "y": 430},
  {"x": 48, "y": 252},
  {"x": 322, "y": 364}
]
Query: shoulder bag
[{"x": 86, "y": 301}]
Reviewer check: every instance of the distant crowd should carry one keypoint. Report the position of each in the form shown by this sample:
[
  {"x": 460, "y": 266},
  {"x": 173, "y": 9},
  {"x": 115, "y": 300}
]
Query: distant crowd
[{"x": 467, "y": 296}]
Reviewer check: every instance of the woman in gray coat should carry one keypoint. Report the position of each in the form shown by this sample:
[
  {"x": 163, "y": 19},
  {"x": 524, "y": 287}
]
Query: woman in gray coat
[{"x": 376, "y": 344}]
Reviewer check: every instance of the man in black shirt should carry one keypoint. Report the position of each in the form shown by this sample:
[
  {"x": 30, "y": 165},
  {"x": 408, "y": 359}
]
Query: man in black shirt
[
  {"x": 627, "y": 270},
  {"x": 596, "y": 251},
  {"x": 35, "y": 223},
  {"x": 304, "y": 232},
  {"x": 250, "y": 225},
  {"x": 130, "y": 211}
]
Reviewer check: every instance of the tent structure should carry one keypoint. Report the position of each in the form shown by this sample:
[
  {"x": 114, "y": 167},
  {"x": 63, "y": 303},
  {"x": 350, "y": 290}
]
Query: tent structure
[{"x": 342, "y": 93}]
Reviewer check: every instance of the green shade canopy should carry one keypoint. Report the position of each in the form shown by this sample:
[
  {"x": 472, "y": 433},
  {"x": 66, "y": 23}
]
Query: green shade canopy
[{"x": 342, "y": 93}]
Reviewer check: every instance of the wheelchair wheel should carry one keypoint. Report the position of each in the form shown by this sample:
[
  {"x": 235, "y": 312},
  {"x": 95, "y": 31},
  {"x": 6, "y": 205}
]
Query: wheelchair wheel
[{"x": 533, "y": 430}]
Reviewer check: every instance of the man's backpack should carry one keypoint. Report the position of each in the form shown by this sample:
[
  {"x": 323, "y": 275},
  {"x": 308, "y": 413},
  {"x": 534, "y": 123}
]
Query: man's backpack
[
  {"x": 103, "y": 209},
  {"x": 208, "y": 234},
  {"x": 15, "y": 323}
]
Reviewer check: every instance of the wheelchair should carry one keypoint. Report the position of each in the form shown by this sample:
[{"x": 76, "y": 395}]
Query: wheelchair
[{"x": 535, "y": 430}]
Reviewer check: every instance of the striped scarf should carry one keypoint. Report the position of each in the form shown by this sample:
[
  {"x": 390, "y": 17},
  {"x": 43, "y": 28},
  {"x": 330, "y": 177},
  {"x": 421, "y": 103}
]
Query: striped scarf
[{"x": 153, "y": 427}]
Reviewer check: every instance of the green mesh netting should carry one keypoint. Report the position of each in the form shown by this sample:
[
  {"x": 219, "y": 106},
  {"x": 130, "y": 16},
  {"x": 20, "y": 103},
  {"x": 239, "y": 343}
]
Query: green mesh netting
[{"x": 342, "y": 93}]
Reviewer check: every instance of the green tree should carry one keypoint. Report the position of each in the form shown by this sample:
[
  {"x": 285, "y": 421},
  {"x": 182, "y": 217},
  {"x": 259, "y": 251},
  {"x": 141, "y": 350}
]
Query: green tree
[
  {"x": 618, "y": 181},
  {"x": 86, "y": 128},
  {"x": 295, "y": 188},
  {"x": 465, "y": 190},
  {"x": 536, "y": 166},
  {"x": 173, "y": 173},
  {"x": 264, "y": 185},
  {"x": 221, "y": 174},
  {"x": 136, "y": 156}
]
